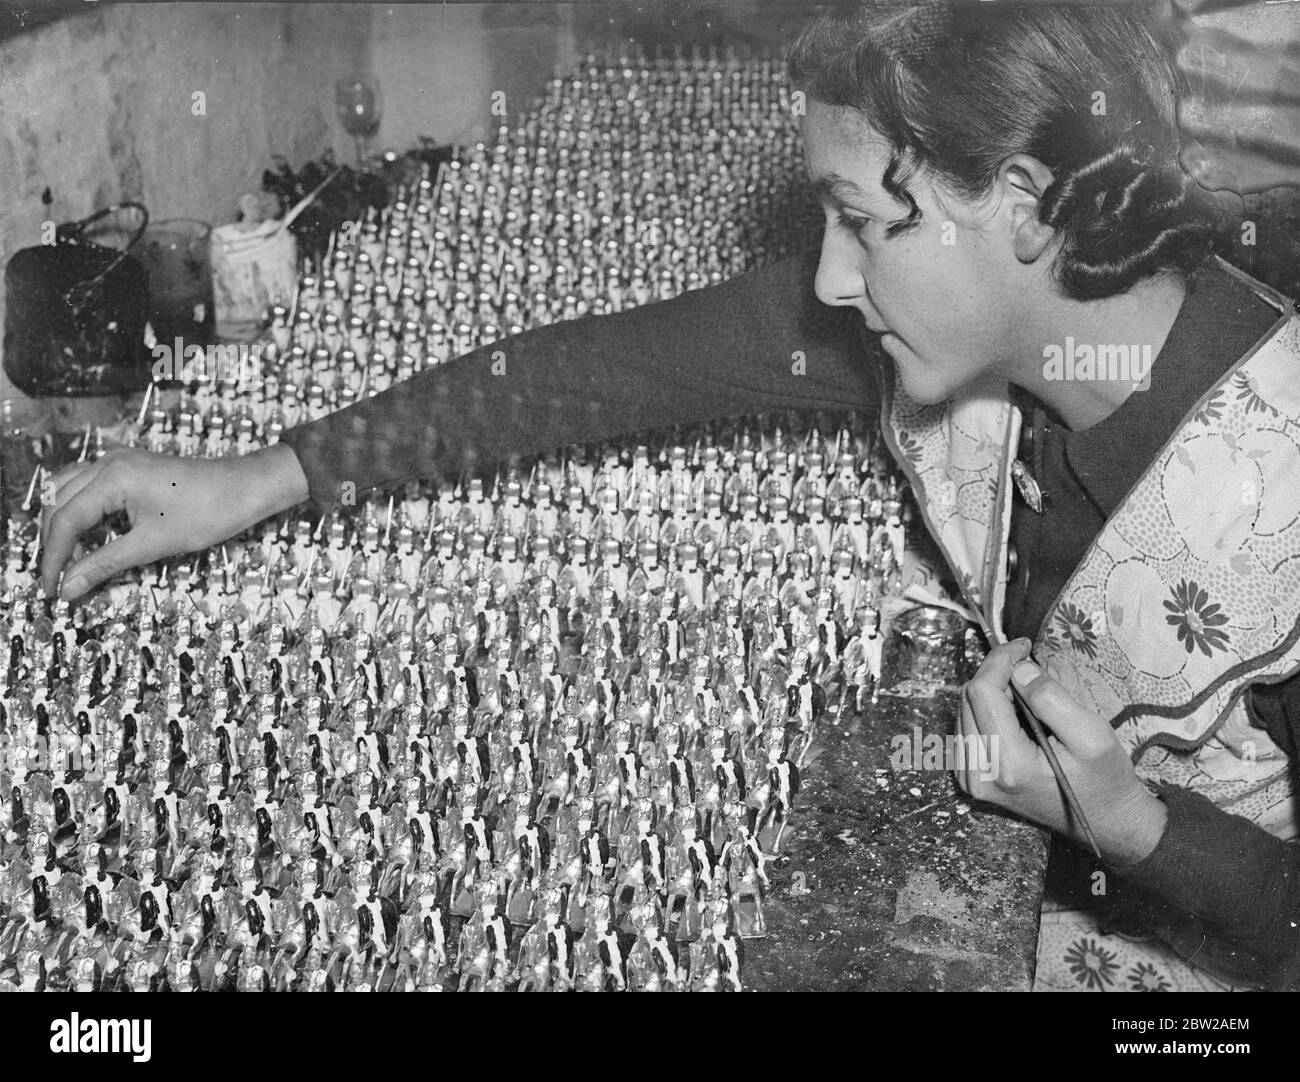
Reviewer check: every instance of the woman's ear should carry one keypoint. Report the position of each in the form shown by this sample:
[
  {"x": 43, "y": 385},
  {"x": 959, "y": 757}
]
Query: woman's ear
[{"x": 1021, "y": 181}]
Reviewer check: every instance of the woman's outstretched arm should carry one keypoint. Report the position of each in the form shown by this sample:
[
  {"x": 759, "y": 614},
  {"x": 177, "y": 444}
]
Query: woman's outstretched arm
[{"x": 759, "y": 342}]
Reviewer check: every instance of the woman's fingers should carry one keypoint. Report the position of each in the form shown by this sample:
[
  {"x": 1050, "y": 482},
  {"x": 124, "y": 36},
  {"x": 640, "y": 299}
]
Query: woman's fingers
[
  {"x": 1126, "y": 820},
  {"x": 174, "y": 505},
  {"x": 66, "y": 484},
  {"x": 988, "y": 713},
  {"x": 1082, "y": 732},
  {"x": 967, "y": 778},
  {"x": 1003, "y": 756},
  {"x": 88, "y": 507},
  {"x": 138, "y": 546},
  {"x": 988, "y": 694}
]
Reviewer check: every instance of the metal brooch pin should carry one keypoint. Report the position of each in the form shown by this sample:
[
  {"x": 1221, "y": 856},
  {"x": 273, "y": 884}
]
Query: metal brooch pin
[{"x": 1027, "y": 486}]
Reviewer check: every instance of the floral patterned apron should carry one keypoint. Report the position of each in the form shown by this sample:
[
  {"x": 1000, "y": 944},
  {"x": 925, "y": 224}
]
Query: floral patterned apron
[{"x": 1189, "y": 594}]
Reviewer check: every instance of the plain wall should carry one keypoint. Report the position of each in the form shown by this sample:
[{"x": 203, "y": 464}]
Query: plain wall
[{"x": 98, "y": 107}]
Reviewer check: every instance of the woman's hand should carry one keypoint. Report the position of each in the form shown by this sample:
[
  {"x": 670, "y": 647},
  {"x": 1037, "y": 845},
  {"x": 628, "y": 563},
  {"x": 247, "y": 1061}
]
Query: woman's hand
[
  {"x": 1125, "y": 817},
  {"x": 174, "y": 505}
]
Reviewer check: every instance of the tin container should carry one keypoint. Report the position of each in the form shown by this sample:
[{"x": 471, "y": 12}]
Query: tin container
[
  {"x": 176, "y": 255},
  {"x": 250, "y": 272}
]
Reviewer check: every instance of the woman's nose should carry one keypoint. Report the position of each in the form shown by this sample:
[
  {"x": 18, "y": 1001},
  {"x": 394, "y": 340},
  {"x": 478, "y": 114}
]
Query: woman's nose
[{"x": 839, "y": 281}]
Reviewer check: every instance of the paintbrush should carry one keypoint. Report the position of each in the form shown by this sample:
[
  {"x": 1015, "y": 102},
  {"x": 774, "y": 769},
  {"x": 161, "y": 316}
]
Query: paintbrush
[{"x": 1040, "y": 735}]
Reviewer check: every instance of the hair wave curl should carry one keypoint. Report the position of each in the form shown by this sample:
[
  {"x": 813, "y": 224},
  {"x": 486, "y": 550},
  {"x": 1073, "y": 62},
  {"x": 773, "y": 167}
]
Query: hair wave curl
[{"x": 956, "y": 89}]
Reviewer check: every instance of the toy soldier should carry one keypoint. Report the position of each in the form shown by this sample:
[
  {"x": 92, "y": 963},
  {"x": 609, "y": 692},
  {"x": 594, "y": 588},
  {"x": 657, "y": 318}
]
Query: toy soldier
[
  {"x": 651, "y": 966},
  {"x": 844, "y": 582},
  {"x": 805, "y": 698},
  {"x": 483, "y": 942},
  {"x": 534, "y": 968},
  {"x": 649, "y": 576},
  {"x": 534, "y": 848},
  {"x": 743, "y": 863},
  {"x": 862, "y": 658},
  {"x": 613, "y": 577},
  {"x": 728, "y": 773},
  {"x": 479, "y": 857},
  {"x": 892, "y": 509},
  {"x": 690, "y": 866},
  {"x": 591, "y": 954},
  {"x": 716, "y": 957},
  {"x": 783, "y": 781},
  {"x": 641, "y": 859},
  {"x": 595, "y": 851},
  {"x": 853, "y": 532},
  {"x": 338, "y": 550}
]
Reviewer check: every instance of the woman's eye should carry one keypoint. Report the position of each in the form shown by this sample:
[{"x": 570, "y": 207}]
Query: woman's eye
[{"x": 853, "y": 221}]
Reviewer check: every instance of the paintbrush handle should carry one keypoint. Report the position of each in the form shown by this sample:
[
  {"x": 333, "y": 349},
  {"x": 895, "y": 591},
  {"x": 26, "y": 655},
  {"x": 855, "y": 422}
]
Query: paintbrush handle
[
  {"x": 306, "y": 201},
  {"x": 1072, "y": 801}
]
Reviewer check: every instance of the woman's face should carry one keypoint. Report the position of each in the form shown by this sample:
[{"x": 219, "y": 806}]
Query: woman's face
[{"x": 940, "y": 293}]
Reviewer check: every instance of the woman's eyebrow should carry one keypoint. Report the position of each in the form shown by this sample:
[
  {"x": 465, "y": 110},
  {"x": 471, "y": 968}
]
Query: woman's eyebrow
[{"x": 840, "y": 189}]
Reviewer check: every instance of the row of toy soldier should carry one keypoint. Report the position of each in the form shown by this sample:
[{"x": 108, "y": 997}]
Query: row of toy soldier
[
  {"x": 539, "y": 226},
  {"x": 263, "y": 799},
  {"x": 519, "y": 530},
  {"x": 383, "y": 575},
  {"x": 760, "y": 612},
  {"x": 194, "y": 918},
  {"x": 496, "y": 247},
  {"x": 254, "y": 813},
  {"x": 775, "y": 499},
  {"x": 479, "y": 583}
]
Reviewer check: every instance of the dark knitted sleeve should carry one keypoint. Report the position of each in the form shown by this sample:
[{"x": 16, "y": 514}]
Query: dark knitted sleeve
[
  {"x": 758, "y": 342},
  {"x": 1240, "y": 881}
]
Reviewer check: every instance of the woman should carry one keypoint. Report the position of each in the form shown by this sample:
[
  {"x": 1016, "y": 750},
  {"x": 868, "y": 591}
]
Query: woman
[
  {"x": 1005, "y": 210},
  {"x": 1029, "y": 198}
]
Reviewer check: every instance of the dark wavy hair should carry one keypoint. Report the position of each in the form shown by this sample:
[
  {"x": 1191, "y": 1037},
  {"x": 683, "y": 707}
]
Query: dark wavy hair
[{"x": 956, "y": 88}]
